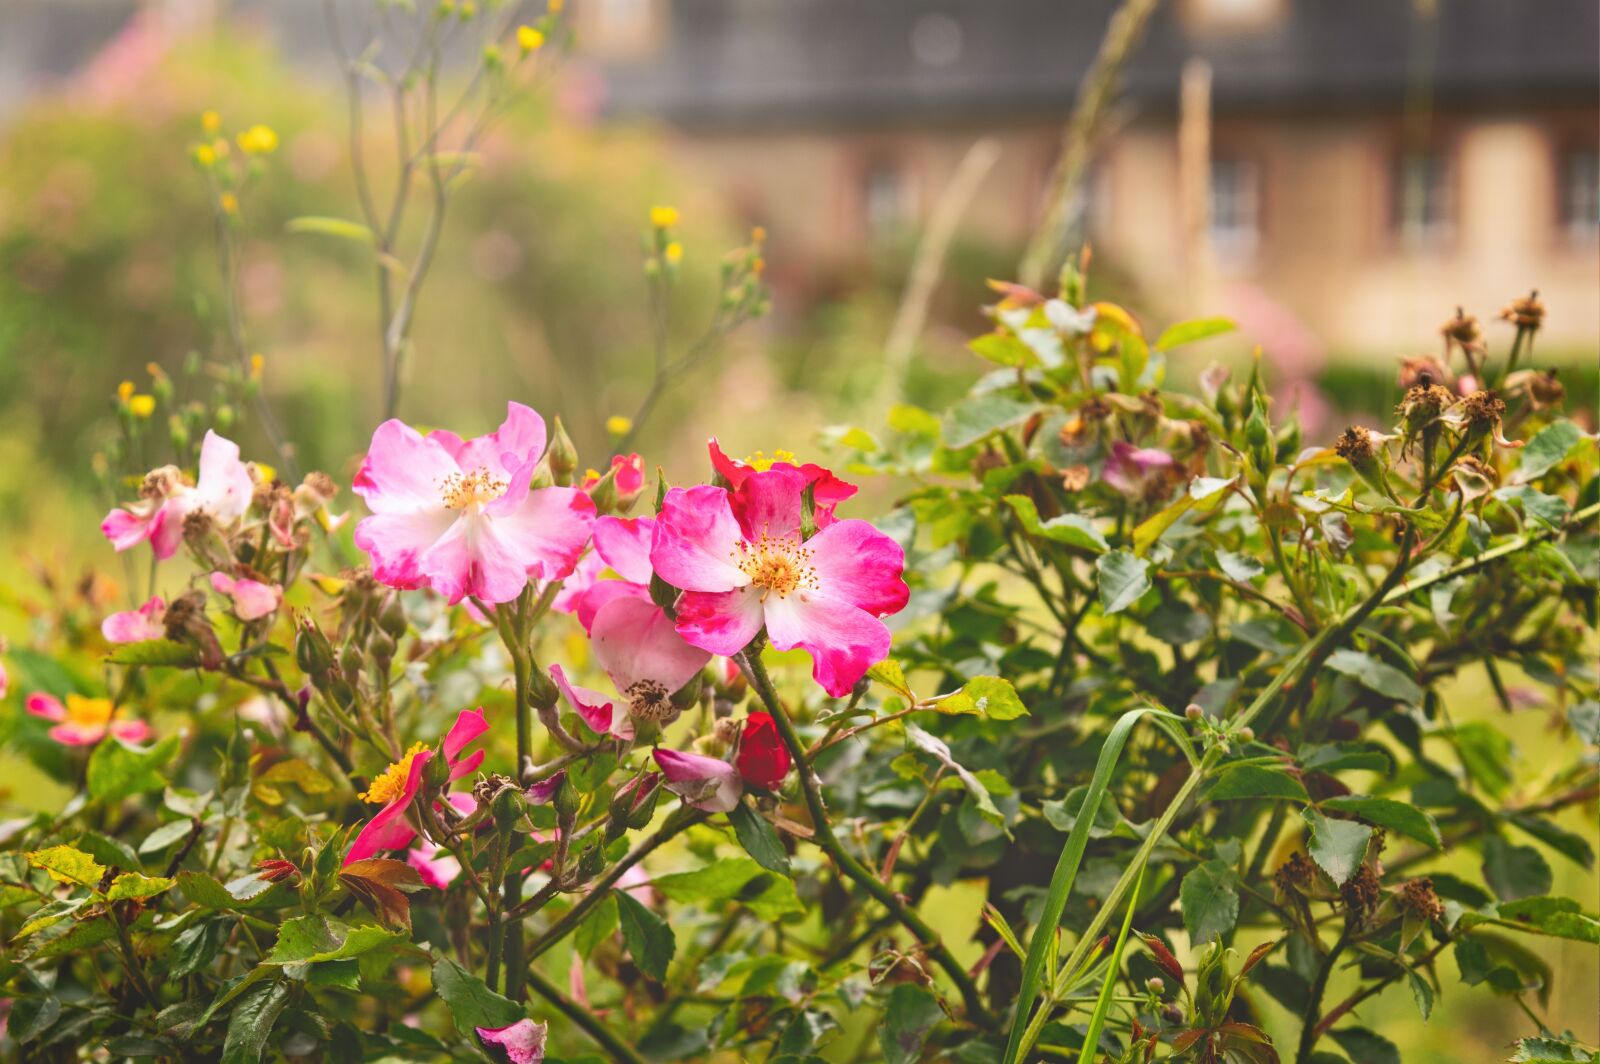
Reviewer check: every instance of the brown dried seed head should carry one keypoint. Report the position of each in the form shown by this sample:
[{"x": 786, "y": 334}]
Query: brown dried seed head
[
  {"x": 1417, "y": 897},
  {"x": 1354, "y": 444},
  {"x": 1525, "y": 313},
  {"x": 1483, "y": 409}
]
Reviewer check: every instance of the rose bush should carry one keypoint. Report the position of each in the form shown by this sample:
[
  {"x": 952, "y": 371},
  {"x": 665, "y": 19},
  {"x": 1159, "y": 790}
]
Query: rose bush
[{"x": 1130, "y": 729}]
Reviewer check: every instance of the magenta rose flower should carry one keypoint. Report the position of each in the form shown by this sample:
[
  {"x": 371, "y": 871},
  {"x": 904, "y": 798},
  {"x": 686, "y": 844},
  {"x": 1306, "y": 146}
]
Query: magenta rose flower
[
  {"x": 830, "y": 490},
  {"x": 743, "y": 566},
  {"x": 252, "y": 599},
  {"x": 621, "y": 545},
  {"x": 522, "y": 1042},
  {"x": 459, "y": 515},
  {"x": 167, "y": 498},
  {"x": 397, "y": 786}
]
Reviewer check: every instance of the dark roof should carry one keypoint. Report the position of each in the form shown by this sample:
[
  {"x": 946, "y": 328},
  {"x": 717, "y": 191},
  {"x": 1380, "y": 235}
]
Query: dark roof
[{"x": 840, "y": 62}]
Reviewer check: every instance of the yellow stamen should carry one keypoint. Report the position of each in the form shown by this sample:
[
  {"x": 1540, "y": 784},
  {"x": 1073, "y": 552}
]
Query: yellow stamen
[
  {"x": 475, "y": 489},
  {"x": 90, "y": 712},
  {"x": 776, "y": 565},
  {"x": 391, "y": 782},
  {"x": 761, "y": 463}
]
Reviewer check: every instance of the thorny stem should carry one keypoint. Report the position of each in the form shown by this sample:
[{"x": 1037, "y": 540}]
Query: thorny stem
[
  {"x": 1308, "y": 1024},
  {"x": 750, "y": 664}
]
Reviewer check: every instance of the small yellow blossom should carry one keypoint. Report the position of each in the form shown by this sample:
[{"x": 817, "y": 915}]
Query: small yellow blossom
[
  {"x": 663, "y": 217},
  {"x": 229, "y": 203},
  {"x": 142, "y": 405},
  {"x": 758, "y": 234},
  {"x": 529, "y": 39},
  {"x": 258, "y": 140},
  {"x": 555, "y": 7},
  {"x": 125, "y": 391},
  {"x": 758, "y": 265},
  {"x": 257, "y": 364},
  {"x": 673, "y": 252},
  {"x": 618, "y": 425},
  {"x": 391, "y": 782},
  {"x": 155, "y": 370},
  {"x": 210, "y": 121},
  {"x": 205, "y": 155}
]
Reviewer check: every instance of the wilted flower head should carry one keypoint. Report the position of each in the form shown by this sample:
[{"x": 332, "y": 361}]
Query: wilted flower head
[
  {"x": 137, "y": 626},
  {"x": 522, "y": 1042},
  {"x": 1416, "y": 897},
  {"x": 1139, "y": 472},
  {"x": 1424, "y": 370},
  {"x": 166, "y": 498},
  {"x": 707, "y": 783},
  {"x": 1462, "y": 330},
  {"x": 1526, "y": 312}
]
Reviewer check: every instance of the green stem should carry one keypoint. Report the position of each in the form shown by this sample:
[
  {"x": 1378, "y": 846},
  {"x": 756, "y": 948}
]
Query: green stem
[
  {"x": 618, "y": 1049},
  {"x": 678, "y": 822},
  {"x": 823, "y": 836},
  {"x": 1308, "y": 1021}
]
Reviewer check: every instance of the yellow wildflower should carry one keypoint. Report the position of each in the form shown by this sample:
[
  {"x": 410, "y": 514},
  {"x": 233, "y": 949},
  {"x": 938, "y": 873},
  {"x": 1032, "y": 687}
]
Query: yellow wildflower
[
  {"x": 529, "y": 39},
  {"x": 205, "y": 155},
  {"x": 229, "y": 203},
  {"x": 258, "y": 140},
  {"x": 555, "y": 7},
  {"x": 663, "y": 217},
  {"x": 125, "y": 391},
  {"x": 210, "y": 121},
  {"x": 673, "y": 252},
  {"x": 142, "y": 405},
  {"x": 257, "y": 364},
  {"x": 618, "y": 425}
]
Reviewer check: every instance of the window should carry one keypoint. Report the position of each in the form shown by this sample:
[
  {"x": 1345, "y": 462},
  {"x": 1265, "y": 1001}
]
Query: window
[
  {"x": 1580, "y": 195},
  {"x": 1235, "y": 208},
  {"x": 1423, "y": 206},
  {"x": 884, "y": 200}
]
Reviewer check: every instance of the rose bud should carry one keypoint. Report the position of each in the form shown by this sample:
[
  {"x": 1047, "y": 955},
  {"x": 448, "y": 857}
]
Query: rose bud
[{"x": 762, "y": 760}]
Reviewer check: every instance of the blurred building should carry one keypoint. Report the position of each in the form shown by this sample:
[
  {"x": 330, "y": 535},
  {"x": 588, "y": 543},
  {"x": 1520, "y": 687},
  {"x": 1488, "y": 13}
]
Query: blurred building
[{"x": 1363, "y": 165}]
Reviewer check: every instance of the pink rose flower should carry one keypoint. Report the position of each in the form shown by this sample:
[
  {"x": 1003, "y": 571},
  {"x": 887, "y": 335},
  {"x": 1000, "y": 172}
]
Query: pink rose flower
[
  {"x": 522, "y": 1042},
  {"x": 707, "y": 783},
  {"x": 166, "y": 498},
  {"x": 85, "y": 721},
  {"x": 459, "y": 516},
  {"x": 647, "y": 660},
  {"x": 397, "y": 786},
  {"x": 136, "y": 626},
  {"x": 621, "y": 545},
  {"x": 742, "y": 565},
  {"x": 830, "y": 491},
  {"x": 252, "y": 599}
]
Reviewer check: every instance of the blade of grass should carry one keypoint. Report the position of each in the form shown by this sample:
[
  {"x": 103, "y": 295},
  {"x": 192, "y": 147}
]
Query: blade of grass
[
  {"x": 1091, "y": 1038},
  {"x": 1066, "y": 872}
]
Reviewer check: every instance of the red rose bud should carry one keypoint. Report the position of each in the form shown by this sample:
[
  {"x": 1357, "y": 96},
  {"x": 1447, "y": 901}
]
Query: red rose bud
[
  {"x": 277, "y": 871},
  {"x": 763, "y": 761}
]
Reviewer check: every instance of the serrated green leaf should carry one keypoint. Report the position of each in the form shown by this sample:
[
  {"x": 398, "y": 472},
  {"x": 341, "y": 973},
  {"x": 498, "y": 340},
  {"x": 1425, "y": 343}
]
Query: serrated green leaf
[
  {"x": 1073, "y": 530},
  {"x": 1337, "y": 846},
  {"x": 1209, "y": 896},
  {"x": 759, "y": 839},
  {"x": 985, "y": 696},
  {"x": 118, "y": 770},
  {"x": 980, "y": 416},
  {"x": 252, "y": 1021},
  {"x": 767, "y": 895},
  {"x": 1387, "y": 813},
  {"x": 1257, "y": 781},
  {"x": 1187, "y": 332},
  {"x": 471, "y": 1002},
  {"x": 908, "y": 1015},
  {"x": 135, "y": 885},
  {"x": 68, "y": 864},
  {"x": 1377, "y": 676},
  {"x": 1548, "y": 449},
  {"x": 648, "y": 937},
  {"x": 1123, "y": 579}
]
